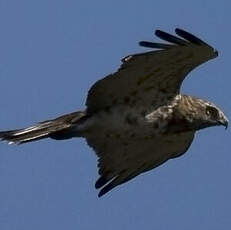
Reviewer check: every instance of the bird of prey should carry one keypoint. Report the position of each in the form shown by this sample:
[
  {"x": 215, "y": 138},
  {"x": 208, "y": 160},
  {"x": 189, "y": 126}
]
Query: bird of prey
[{"x": 136, "y": 118}]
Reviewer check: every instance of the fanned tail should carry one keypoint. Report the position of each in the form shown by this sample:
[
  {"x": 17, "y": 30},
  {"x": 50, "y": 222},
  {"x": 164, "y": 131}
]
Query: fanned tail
[{"x": 59, "y": 128}]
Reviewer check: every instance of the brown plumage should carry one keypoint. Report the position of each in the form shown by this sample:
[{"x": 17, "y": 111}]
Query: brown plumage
[{"x": 136, "y": 118}]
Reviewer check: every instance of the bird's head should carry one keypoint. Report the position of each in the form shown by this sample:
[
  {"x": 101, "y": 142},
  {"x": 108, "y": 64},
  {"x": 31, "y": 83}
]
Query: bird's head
[
  {"x": 202, "y": 114},
  {"x": 212, "y": 116}
]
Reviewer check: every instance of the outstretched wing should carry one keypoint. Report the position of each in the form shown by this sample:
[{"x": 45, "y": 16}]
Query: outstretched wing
[
  {"x": 151, "y": 78},
  {"x": 120, "y": 160}
]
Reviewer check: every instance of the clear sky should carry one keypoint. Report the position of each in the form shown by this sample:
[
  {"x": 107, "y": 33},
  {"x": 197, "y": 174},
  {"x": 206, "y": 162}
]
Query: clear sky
[{"x": 51, "y": 52}]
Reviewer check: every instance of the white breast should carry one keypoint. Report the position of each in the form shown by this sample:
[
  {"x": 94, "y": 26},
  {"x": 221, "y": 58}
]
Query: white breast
[{"x": 122, "y": 121}]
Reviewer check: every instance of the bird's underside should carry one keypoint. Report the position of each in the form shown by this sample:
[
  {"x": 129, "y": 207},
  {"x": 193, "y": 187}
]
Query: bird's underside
[{"x": 135, "y": 118}]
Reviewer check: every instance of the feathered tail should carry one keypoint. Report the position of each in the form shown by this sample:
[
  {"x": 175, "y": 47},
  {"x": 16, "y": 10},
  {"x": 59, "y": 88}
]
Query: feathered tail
[{"x": 59, "y": 128}]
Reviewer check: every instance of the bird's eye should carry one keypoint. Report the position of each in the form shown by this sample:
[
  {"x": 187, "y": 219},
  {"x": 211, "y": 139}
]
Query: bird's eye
[{"x": 212, "y": 112}]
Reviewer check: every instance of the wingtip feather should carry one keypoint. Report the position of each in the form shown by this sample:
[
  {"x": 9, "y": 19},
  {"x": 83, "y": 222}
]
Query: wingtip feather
[
  {"x": 189, "y": 37},
  {"x": 100, "y": 182},
  {"x": 155, "y": 45},
  {"x": 170, "y": 38}
]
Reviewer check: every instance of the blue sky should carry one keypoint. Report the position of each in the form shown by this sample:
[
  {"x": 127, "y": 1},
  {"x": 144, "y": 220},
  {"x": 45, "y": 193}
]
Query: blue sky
[{"x": 51, "y": 53}]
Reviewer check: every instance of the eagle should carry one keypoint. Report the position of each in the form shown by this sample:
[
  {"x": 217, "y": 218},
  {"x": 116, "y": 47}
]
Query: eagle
[{"x": 136, "y": 118}]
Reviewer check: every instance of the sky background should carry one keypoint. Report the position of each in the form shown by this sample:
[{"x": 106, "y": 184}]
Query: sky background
[{"x": 51, "y": 52}]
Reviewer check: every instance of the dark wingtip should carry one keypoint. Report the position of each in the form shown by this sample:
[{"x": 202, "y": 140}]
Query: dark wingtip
[
  {"x": 186, "y": 38},
  {"x": 106, "y": 189},
  {"x": 100, "y": 182},
  {"x": 170, "y": 38},
  {"x": 189, "y": 37},
  {"x": 100, "y": 194},
  {"x": 155, "y": 45}
]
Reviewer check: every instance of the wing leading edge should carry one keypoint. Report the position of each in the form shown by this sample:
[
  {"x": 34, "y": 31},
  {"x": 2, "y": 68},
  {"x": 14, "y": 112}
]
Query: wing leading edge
[{"x": 148, "y": 79}]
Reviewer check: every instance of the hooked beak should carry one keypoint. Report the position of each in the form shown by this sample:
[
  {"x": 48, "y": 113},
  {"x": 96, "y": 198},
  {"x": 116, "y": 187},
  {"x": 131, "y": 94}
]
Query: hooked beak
[{"x": 224, "y": 122}]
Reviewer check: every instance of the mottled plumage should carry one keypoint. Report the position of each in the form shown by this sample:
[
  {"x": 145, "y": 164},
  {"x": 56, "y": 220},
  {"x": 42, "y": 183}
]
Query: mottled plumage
[{"x": 136, "y": 118}]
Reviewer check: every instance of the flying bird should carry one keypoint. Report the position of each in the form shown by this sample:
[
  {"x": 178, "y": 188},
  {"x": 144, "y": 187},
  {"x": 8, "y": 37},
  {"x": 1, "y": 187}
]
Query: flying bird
[{"x": 136, "y": 118}]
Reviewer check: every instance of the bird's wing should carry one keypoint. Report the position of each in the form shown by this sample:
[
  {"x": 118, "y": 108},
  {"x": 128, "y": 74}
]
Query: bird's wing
[
  {"x": 153, "y": 77},
  {"x": 123, "y": 159}
]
